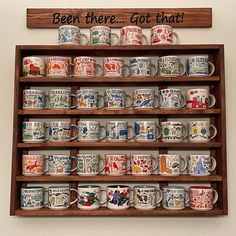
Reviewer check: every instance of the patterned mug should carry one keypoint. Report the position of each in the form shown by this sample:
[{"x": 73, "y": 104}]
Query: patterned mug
[
  {"x": 144, "y": 99},
  {"x": 132, "y": 35},
  {"x": 33, "y": 99},
  {"x": 116, "y": 164},
  {"x": 33, "y": 67}
]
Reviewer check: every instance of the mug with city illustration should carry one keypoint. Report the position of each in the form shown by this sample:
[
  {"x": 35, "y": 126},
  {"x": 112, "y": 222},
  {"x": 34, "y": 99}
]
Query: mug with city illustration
[
  {"x": 33, "y": 67},
  {"x": 116, "y": 164},
  {"x": 144, "y": 99},
  {"x": 33, "y": 99}
]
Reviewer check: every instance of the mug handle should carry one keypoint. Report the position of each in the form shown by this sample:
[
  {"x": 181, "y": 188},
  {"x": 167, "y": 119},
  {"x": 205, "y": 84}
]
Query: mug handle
[
  {"x": 132, "y": 130},
  {"x": 104, "y": 136},
  {"x": 74, "y": 190},
  {"x": 212, "y": 100},
  {"x": 215, "y": 196},
  {"x": 128, "y": 160},
  {"x": 127, "y": 96},
  {"x": 176, "y": 38},
  {"x": 160, "y": 196},
  {"x": 116, "y": 37},
  {"x": 183, "y": 101},
  {"x": 46, "y": 102},
  {"x": 103, "y": 164},
  {"x": 158, "y": 132},
  {"x": 156, "y": 164},
  {"x": 156, "y": 101},
  {"x": 131, "y": 202},
  {"x": 47, "y": 127},
  {"x": 212, "y": 68},
  {"x": 214, "y": 131},
  {"x": 86, "y": 40},
  {"x": 74, "y": 96},
  {"x": 160, "y": 99},
  {"x": 144, "y": 40},
  {"x": 185, "y": 132},
  {"x": 73, "y": 157},
  {"x": 100, "y": 97},
  {"x": 126, "y": 70},
  {"x": 213, "y": 164},
  {"x": 182, "y": 69},
  {"x": 45, "y": 160},
  {"x": 153, "y": 70},
  {"x": 45, "y": 191},
  {"x": 76, "y": 136},
  {"x": 186, "y": 197},
  {"x": 185, "y": 164},
  {"x": 98, "y": 70},
  {"x": 104, "y": 201}
]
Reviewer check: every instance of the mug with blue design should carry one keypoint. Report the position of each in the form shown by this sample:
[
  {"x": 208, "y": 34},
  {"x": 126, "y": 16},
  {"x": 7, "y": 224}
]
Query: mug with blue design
[
  {"x": 117, "y": 131},
  {"x": 33, "y": 99},
  {"x": 171, "y": 99},
  {"x": 144, "y": 99},
  {"x": 146, "y": 131},
  {"x": 142, "y": 66},
  {"x": 201, "y": 165},
  {"x": 70, "y": 34}
]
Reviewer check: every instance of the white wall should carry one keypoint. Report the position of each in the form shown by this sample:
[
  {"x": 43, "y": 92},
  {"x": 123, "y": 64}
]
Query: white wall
[{"x": 14, "y": 31}]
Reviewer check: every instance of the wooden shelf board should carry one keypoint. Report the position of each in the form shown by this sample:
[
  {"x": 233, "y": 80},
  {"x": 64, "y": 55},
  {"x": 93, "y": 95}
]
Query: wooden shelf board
[{"x": 125, "y": 178}]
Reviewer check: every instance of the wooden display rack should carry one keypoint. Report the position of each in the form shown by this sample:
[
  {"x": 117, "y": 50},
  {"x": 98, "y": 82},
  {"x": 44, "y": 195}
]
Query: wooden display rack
[{"x": 217, "y": 146}]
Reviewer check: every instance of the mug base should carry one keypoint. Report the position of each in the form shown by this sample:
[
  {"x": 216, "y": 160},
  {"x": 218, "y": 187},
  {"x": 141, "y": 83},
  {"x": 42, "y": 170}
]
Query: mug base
[
  {"x": 85, "y": 108},
  {"x": 148, "y": 141},
  {"x": 88, "y": 208},
  {"x": 94, "y": 174},
  {"x": 31, "y": 208},
  {"x": 201, "y": 209},
  {"x": 162, "y": 43},
  {"x": 118, "y": 209},
  {"x": 173, "y": 209},
  {"x": 198, "y": 75},
  {"x": 32, "y": 175},
  {"x": 88, "y": 140},
  {"x": 57, "y": 76},
  {"x": 69, "y": 44},
  {"x": 59, "y": 108},
  {"x": 112, "y": 108},
  {"x": 141, "y": 76},
  {"x": 172, "y": 141},
  {"x": 33, "y": 109},
  {"x": 84, "y": 76},
  {"x": 143, "y": 108},
  {"x": 170, "y": 175},
  {"x": 199, "y": 175},
  {"x": 57, "y": 208},
  {"x": 144, "y": 208},
  {"x": 169, "y": 108},
  {"x": 34, "y": 76},
  {"x": 113, "y": 141},
  {"x": 169, "y": 75},
  {"x": 140, "y": 174},
  {"x": 115, "y": 174},
  {"x": 58, "y": 174},
  {"x": 36, "y": 141},
  {"x": 199, "y": 141}
]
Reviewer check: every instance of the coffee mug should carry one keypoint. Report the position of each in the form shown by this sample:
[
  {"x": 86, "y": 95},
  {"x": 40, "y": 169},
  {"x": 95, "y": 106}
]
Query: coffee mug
[
  {"x": 33, "y": 132},
  {"x": 117, "y": 131},
  {"x": 89, "y": 164},
  {"x": 146, "y": 131},
  {"x": 32, "y": 198},
  {"x": 171, "y": 99},
  {"x": 200, "y": 99},
  {"x": 144, "y": 99},
  {"x": 70, "y": 34},
  {"x": 170, "y": 66},
  {"x": 201, "y": 165},
  {"x": 114, "y": 67},
  {"x": 86, "y": 67},
  {"x": 60, "y": 131},
  {"x": 143, "y": 164},
  {"x": 59, "y": 197},
  {"x": 142, "y": 66},
  {"x": 88, "y": 99},
  {"x": 163, "y": 34},
  {"x": 90, "y": 131},
  {"x": 117, "y": 99},
  {"x": 33, "y": 99},
  {"x": 33, "y": 67},
  {"x": 58, "y": 67},
  {"x": 89, "y": 197},
  {"x": 116, "y": 164},
  {"x": 174, "y": 197},
  {"x": 173, "y": 131},
  {"x": 59, "y": 99},
  {"x": 202, "y": 198},
  {"x": 145, "y": 197},
  {"x": 60, "y": 164},
  {"x": 33, "y": 164},
  {"x": 132, "y": 35},
  {"x": 200, "y": 131},
  {"x": 118, "y": 197},
  {"x": 199, "y": 66},
  {"x": 170, "y": 165},
  {"x": 101, "y": 35}
]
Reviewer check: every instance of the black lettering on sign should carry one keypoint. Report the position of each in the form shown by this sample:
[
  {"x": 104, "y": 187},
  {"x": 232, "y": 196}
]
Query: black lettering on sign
[
  {"x": 137, "y": 18},
  {"x": 92, "y": 18},
  {"x": 161, "y": 17},
  {"x": 57, "y": 18}
]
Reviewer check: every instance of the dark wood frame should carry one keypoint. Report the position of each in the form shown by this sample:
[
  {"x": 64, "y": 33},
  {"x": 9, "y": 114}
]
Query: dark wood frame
[{"x": 217, "y": 117}]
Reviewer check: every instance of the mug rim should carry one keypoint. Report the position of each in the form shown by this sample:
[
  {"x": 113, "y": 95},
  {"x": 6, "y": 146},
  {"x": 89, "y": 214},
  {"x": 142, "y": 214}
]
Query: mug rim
[
  {"x": 32, "y": 122},
  {"x": 131, "y": 26},
  {"x": 36, "y": 90},
  {"x": 84, "y": 57},
  {"x": 199, "y": 121},
  {"x": 89, "y": 121},
  {"x": 140, "y": 58},
  {"x": 120, "y": 58},
  {"x": 197, "y": 56},
  {"x": 118, "y": 89},
  {"x": 162, "y": 25},
  {"x": 146, "y": 121},
  {"x": 65, "y": 122},
  {"x": 100, "y": 26},
  {"x": 116, "y": 155},
  {"x": 169, "y": 155},
  {"x": 174, "y": 187},
  {"x": 63, "y": 58},
  {"x": 176, "y": 89},
  {"x": 198, "y": 89},
  {"x": 200, "y": 187},
  {"x": 116, "y": 121},
  {"x": 141, "y": 154},
  {"x": 172, "y": 122},
  {"x": 118, "y": 186},
  {"x": 28, "y": 155},
  {"x": 94, "y": 90},
  {"x": 88, "y": 186},
  {"x": 60, "y": 186},
  {"x": 71, "y": 26},
  {"x": 32, "y": 187},
  {"x": 145, "y": 186},
  {"x": 38, "y": 57},
  {"x": 172, "y": 56},
  {"x": 198, "y": 155},
  {"x": 67, "y": 90},
  {"x": 145, "y": 89},
  {"x": 68, "y": 155}
]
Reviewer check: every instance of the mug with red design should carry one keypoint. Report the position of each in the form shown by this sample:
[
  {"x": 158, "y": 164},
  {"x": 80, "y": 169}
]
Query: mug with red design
[
  {"x": 202, "y": 198},
  {"x": 33, "y": 67},
  {"x": 116, "y": 164},
  {"x": 132, "y": 35},
  {"x": 163, "y": 34}
]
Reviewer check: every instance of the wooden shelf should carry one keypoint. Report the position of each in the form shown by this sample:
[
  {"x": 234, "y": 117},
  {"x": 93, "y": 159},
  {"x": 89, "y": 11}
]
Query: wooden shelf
[
  {"x": 125, "y": 178},
  {"x": 129, "y": 212}
]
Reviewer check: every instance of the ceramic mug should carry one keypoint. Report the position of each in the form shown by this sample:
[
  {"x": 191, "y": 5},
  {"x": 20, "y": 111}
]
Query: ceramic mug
[
  {"x": 33, "y": 164},
  {"x": 200, "y": 131},
  {"x": 170, "y": 165},
  {"x": 144, "y": 99},
  {"x": 201, "y": 165},
  {"x": 33, "y": 67},
  {"x": 90, "y": 131},
  {"x": 33, "y": 132},
  {"x": 118, "y": 197},
  {"x": 89, "y": 164},
  {"x": 114, "y": 67},
  {"x": 174, "y": 197},
  {"x": 59, "y": 99},
  {"x": 117, "y": 99},
  {"x": 202, "y": 198},
  {"x": 58, "y": 67},
  {"x": 101, "y": 35},
  {"x": 146, "y": 131},
  {"x": 199, "y": 66},
  {"x": 132, "y": 35},
  {"x": 116, "y": 164},
  {"x": 59, "y": 197},
  {"x": 143, "y": 164},
  {"x": 171, "y": 99},
  {"x": 200, "y": 99},
  {"x": 32, "y": 198},
  {"x": 145, "y": 197},
  {"x": 70, "y": 34},
  {"x": 88, "y": 99},
  {"x": 86, "y": 67},
  {"x": 33, "y": 99},
  {"x": 142, "y": 66},
  {"x": 163, "y": 34},
  {"x": 170, "y": 66},
  {"x": 89, "y": 197},
  {"x": 60, "y": 131},
  {"x": 60, "y": 164},
  {"x": 117, "y": 131},
  {"x": 173, "y": 131}
]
